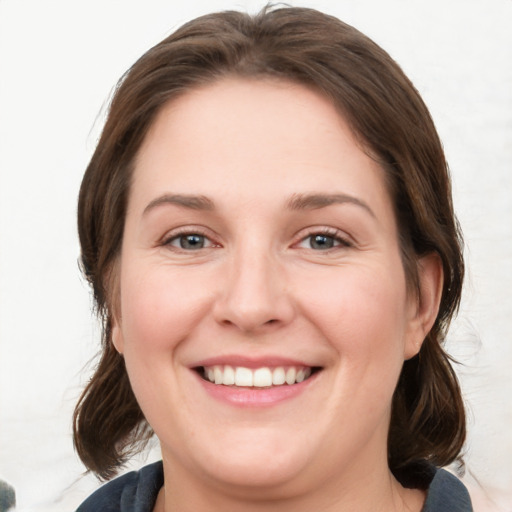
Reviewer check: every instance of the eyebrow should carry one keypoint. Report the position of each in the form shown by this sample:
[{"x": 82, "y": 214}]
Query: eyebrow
[
  {"x": 188, "y": 201},
  {"x": 296, "y": 202},
  {"x": 317, "y": 201}
]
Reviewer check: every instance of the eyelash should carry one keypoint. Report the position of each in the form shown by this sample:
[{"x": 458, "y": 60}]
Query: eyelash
[
  {"x": 187, "y": 232},
  {"x": 330, "y": 233}
]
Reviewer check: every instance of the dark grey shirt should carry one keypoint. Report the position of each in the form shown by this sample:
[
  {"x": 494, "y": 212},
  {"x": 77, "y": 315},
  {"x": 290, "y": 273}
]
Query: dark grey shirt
[{"x": 137, "y": 492}]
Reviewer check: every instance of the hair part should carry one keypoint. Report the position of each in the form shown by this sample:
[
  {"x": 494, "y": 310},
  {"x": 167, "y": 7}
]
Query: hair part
[{"x": 388, "y": 118}]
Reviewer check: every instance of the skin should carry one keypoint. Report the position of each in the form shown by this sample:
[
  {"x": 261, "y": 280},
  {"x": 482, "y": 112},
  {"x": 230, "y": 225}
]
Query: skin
[{"x": 259, "y": 288}]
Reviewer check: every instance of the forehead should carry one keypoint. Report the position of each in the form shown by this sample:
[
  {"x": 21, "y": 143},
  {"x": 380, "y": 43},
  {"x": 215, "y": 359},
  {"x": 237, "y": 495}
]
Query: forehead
[
  {"x": 236, "y": 114},
  {"x": 270, "y": 136}
]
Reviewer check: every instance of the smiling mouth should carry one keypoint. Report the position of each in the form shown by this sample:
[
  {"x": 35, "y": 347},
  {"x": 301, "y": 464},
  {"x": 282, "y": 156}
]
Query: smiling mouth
[{"x": 265, "y": 377}]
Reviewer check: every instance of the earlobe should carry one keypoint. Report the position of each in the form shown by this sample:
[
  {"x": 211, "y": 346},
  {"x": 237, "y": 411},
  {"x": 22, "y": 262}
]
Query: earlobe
[
  {"x": 426, "y": 307},
  {"x": 117, "y": 337}
]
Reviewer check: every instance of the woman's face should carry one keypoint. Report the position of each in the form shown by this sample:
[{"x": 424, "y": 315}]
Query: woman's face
[{"x": 260, "y": 252}]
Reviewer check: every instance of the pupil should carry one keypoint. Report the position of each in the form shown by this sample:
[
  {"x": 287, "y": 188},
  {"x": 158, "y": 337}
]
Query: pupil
[
  {"x": 192, "y": 242},
  {"x": 322, "y": 242}
]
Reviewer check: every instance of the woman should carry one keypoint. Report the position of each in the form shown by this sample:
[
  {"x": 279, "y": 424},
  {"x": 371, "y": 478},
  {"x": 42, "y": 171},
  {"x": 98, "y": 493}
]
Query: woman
[{"x": 268, "y": 230}]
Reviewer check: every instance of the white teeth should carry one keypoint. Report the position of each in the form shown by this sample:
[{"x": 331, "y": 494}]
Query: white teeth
[
  {"x": 229, "y": 376},
  {"x": 243, "y": 377},
  {"x": 260, "y": 377},
  {"x": 278, "y": 376},
  {"x": 218, "y": 374},
  {"x": 303, "y": 374},
  {"x": 291, "y": 373}
]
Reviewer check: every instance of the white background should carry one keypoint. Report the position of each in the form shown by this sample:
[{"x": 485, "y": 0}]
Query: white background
[{"x": 58, "y": 63}]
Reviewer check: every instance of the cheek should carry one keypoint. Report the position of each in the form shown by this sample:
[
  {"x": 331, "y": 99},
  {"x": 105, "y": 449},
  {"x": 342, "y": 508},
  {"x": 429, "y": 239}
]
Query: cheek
[
  {"x": 358, "y": 302},
  {"x": 363, "y": 318},
  {"x": 159, "y": 309}
]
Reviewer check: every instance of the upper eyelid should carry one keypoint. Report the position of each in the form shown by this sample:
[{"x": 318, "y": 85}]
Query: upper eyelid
[
  {"x": 303, "y": 234},
  {"x": 342, "y": 242},
  {"x": 323, "y": 230},
  {"x": 167, "y": 242},
  {"x": 187, "y": 230}
]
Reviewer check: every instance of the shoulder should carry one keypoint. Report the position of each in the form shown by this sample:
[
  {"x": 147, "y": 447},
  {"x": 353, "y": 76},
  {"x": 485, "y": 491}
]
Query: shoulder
[
  {"x": 134, "y": 492},
  {"x": 447, "y": 493}
]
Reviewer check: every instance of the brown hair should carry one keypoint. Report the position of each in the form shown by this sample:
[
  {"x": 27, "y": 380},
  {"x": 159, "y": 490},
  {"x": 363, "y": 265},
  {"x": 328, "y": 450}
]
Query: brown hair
[{"x": 391, "y": 122}]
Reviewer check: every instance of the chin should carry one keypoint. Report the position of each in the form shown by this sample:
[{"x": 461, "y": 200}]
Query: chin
[
  {"x": 264, "y": 461},
  {"x": 266, "y": 479}
]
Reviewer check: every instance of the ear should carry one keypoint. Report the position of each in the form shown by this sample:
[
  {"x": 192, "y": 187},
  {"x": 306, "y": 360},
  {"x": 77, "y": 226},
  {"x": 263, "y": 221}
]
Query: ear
[
  {"x": 112, "y": 285},
  {"x": 424, "y": 310},
  {"x": 117, "y": 336}
]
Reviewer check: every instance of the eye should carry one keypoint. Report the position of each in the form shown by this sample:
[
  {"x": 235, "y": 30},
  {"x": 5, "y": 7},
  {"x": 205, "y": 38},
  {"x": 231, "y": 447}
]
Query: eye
[
  {"x": 323, "y": 241},
  {"x": 189, "y": 241}
]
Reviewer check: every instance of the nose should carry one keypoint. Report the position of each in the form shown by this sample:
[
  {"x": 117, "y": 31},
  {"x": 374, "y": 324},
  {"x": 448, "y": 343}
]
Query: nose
[{"x": 255, "y": 296}]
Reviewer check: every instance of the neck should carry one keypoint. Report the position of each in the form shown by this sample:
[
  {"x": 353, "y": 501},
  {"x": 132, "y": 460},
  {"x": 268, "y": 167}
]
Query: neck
[{"x": 375, "y": 491}]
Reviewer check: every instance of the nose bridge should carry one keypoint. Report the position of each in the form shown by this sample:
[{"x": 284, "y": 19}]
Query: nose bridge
[{"x": 255, "y": 294}]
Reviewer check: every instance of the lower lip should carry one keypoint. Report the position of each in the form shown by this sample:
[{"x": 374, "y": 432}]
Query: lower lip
[{"x": 256, "y": 397}]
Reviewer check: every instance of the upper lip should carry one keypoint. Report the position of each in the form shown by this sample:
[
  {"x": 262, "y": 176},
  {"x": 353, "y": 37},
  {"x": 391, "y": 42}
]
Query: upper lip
[{"x": 251, "y": 362}]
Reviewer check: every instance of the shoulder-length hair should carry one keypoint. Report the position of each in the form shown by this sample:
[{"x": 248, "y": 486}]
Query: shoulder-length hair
[{"x": 391, "y": 123}]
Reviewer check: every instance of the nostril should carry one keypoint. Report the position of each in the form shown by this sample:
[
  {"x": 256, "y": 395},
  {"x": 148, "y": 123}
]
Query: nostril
[{"x": 248, "y": 324}]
